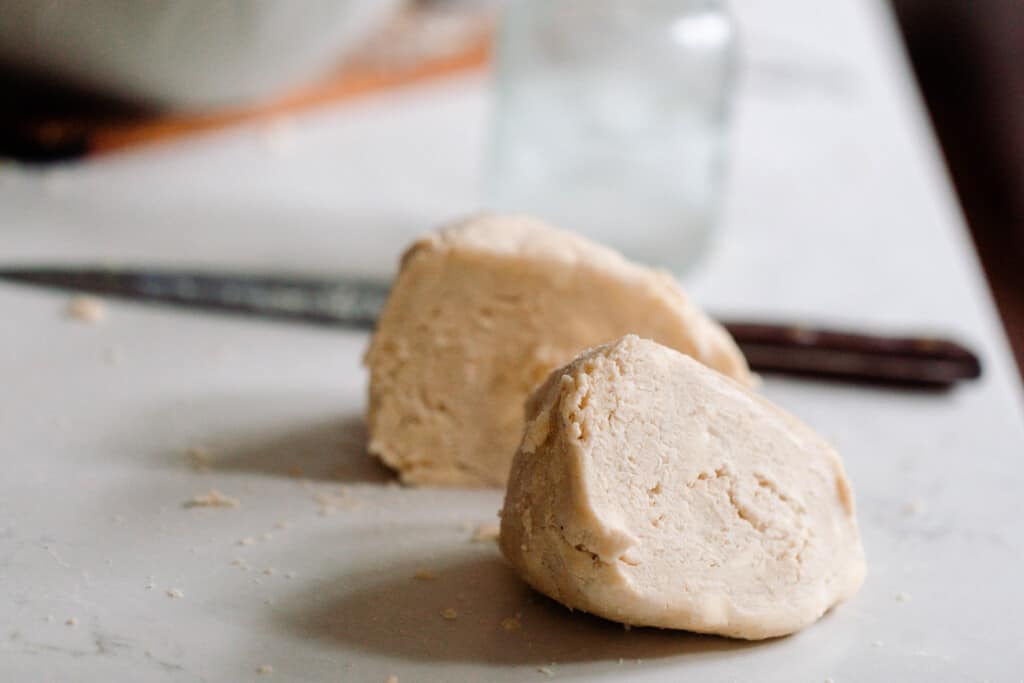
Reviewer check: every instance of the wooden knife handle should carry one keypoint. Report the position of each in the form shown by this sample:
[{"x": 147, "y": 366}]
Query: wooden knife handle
[{"x": 816, "y": 352}]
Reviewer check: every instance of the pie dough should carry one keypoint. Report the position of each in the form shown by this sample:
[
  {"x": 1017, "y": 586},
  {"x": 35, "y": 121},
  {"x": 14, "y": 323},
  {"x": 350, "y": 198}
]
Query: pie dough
[
  {"x": 480, "y": 313},
  {"x": 652, "y": 491}
]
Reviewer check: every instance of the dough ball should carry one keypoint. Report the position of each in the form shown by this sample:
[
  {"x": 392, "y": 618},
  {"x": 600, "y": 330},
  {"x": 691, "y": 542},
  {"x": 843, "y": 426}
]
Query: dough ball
[
  {"x": 653, "y": 491},
  {"x": 480, "y": 313}
]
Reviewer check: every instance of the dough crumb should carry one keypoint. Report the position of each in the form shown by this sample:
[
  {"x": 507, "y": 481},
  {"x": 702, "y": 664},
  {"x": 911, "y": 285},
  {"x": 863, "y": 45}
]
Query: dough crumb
[
  {"x": 392, "y": 679},
  {"x": 902, "y": 597},
  {"x": 486, "y": 532},
  {"x": 913, "y": 507},
  {"x": 175, "y": 593},
  {"x": 280, "y": 525},
  {"x": 241, "y": 564},
  {"x": 512, "y": 623},
  {"x": 211, "y": 499},
  {"x": 248, "y": 540},
  {"x": 71, "y": 621},
  {"x": 290, "y": 575},
  {"x": 331, "y": 502},
  {"x": 424, "y": 575},
  {"x": 269, "y": 571},
  {"x": 113, "y": 356},
  {"x": 450, "y": 613},
  {"x": 198, "y": 457},
  {"x": 545, "y": 670},
  {"x": 87, "y": 309},
  {"x": 295, "y": 472},
  {"x": 829, "y": 680},
  {"x": 264, "y": 669}
]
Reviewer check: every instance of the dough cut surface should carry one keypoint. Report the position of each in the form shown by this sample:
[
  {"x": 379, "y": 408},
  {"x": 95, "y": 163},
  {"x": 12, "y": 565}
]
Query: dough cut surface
[
  {"x": 652, "y": 491},
  {"x": 480, "y": 313}
]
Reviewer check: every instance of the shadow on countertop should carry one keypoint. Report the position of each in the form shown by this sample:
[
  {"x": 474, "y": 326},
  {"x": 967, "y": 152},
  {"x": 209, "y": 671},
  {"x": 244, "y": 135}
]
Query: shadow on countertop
[
  {"x": 319, "y": 450},
  {"x": 393, "y": 613}
]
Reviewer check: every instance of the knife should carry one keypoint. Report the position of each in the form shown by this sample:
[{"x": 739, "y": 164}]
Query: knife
[{"x": 915, "y": 361}]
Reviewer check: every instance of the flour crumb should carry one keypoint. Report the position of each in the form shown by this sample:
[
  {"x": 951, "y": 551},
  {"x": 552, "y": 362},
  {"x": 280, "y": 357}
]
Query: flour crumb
[
  {"x": 829, "y": 680},
  {"x": 331, "y": 502},
  {"x": 486, "y": 532},
  {"x": 513, "y": 623},
  {"x": 621, "y": 660},
  {"x": 71, "y": 621},
  {"x": 248, "y": 540},
  {"x": 902, "y": 597},
  {"x": 266, "y": 536},
  {"x": 49, "y": 618},
  {"x": 913, "y": 507},
  {"x": 877, "y": 643},
  {"x": 241, "y": 564},
  {"x": 450, "y": 613},
  {"x": 290, "y": 575},
  {"x": 212, "y": 499},
  {"x": 113, "y": 356},
  {"x": 545, "y": 670},
  {"x": 280, "y": 525},
  {"x": 264, "y": 669},
  {"x": 175, "y": 593},
  {"x": 198, "y": 457},
  {"x": 86, "y": 309}
]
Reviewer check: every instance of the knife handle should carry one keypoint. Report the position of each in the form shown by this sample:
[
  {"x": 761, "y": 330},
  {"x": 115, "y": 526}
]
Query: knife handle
[{"x": 816, "y": 352}]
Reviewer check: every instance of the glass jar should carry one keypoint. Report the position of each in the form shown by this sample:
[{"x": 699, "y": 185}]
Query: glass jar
[{"x": 611, "y": 120}]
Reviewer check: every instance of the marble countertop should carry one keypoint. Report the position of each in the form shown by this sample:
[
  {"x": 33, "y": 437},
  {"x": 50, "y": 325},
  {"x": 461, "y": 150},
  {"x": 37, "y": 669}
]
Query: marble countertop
[{"x": 838, "y": 210}]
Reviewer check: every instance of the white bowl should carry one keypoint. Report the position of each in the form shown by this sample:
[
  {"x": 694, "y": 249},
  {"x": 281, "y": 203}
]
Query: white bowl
[{"x": 192, "y": 54}]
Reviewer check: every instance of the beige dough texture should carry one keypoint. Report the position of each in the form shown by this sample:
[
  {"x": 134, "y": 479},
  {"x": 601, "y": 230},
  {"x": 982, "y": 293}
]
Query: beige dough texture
[
  {"x": 652, "y": 491},
  {"x": 480, "y": 313}
]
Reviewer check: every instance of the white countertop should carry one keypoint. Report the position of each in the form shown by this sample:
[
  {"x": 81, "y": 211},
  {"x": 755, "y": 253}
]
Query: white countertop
[{"x": 838, "y": 210}]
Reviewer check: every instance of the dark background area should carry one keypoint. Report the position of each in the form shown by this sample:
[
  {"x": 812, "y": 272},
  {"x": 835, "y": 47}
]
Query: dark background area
[{"x": 969, "y": 59}]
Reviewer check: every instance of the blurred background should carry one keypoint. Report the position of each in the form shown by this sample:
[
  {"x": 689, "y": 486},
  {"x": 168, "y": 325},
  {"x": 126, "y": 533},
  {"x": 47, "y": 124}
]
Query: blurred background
[
  {"x": 969, "y": 62},
  {"x": 88, "y": 80}
]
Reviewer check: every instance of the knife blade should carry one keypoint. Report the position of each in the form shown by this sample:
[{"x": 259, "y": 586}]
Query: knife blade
[{"x": 920, "y": 361}]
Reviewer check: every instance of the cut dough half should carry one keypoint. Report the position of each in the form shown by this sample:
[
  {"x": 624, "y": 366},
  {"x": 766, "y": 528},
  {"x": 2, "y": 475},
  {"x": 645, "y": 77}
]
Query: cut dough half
[
  {"x": 655, "y": 492},
  {"x": 480, "y": 313}
]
